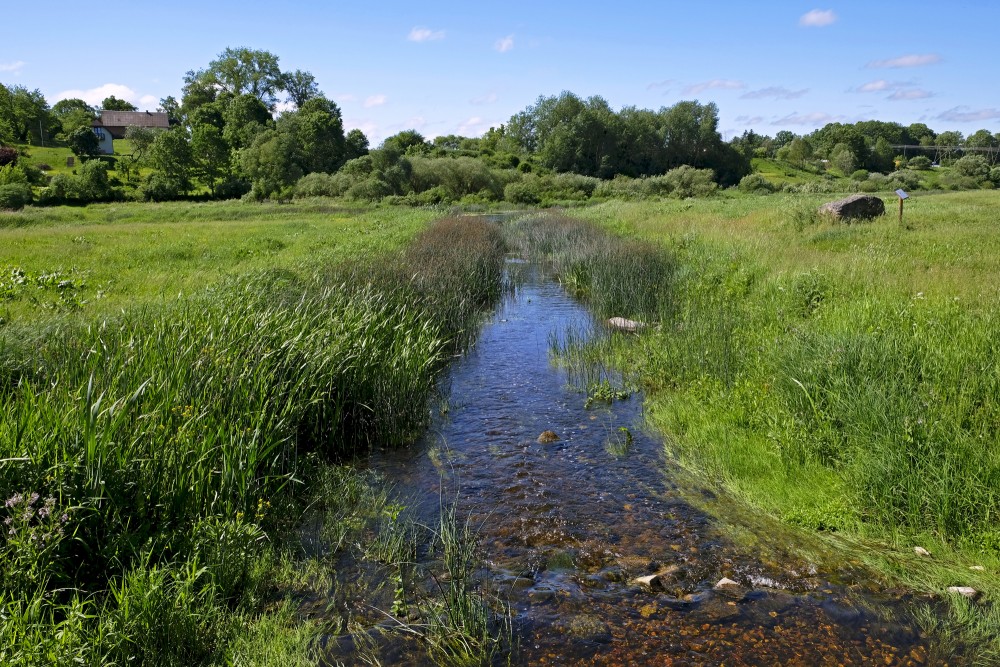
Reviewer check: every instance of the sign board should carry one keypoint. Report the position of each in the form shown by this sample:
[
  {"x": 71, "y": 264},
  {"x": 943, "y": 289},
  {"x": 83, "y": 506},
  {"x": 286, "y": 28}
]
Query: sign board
[
  {"x": 69, "y": 161},
  {"x": 902, "y": 194}
]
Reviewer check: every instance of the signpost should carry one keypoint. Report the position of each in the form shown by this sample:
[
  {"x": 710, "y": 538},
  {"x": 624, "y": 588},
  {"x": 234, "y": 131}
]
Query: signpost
[{"x": 902, "y": 196}]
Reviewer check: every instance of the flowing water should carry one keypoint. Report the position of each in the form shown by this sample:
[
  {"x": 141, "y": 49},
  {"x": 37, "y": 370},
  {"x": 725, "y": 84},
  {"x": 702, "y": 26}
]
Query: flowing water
[{"x": 567, "y": 526}]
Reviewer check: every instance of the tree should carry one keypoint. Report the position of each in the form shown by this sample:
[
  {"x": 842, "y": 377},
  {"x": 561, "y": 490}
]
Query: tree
[
  {"x": 319, "y": 132},
  {"x": 690, "y": 129},
  {"x": 171, "y": 107},
  {"x": 271, "y": 163},
  {"x": 112, "y": 103},
  {"x": 211, "y": 155},
  {"x": 73, "y": 113},
  {"x": 301, "y": 87},
  {"x": 84, "y": 143},
  {"x": 240, "y": 71},
  {"x": 981, "y": 139},
  {"x": 797, "y": 152},
  {"x": 355, "y": 144},
  {"x": 171, "y": 155},
  {"x": 406, "y": 140},
  {"x": 25, "y": 116},
  {"x": 842, "y": 157},
  {"x": 245, "y": 116}
]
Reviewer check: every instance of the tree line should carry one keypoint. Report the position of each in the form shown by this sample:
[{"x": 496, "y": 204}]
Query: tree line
[{"x": 228, "y": 139}]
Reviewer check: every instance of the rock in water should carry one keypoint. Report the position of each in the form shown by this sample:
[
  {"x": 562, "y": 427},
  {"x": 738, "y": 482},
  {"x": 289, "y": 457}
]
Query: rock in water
[
  {"x": 626, "y": 325},
  {"x": 547, "y": 436},
  {"x": 855, "y": 207}
]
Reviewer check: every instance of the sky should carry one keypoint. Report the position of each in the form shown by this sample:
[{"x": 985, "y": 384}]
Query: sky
[{"x": 461, "y": 67}]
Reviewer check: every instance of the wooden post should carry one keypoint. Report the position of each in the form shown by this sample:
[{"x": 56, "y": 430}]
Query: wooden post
[{"x": 902, "y": 196}]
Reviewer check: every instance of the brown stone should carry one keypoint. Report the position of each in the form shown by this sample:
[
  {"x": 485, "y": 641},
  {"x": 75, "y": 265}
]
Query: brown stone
[{"x": 855, "y": 207}]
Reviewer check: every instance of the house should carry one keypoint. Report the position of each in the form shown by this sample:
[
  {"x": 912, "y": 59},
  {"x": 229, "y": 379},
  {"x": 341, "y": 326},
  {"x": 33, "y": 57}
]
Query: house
[{"x": 112, "y": 125}]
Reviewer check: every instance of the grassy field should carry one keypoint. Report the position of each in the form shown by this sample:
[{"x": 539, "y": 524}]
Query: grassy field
[
  {"x": 161, "y": 448},
  {"x": 112, "y": 256},
  {"x": 844, "y": 378}
]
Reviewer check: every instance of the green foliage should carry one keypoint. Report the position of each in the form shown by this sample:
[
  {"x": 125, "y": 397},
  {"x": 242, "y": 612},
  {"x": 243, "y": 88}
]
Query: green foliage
[
  {"x": 756, "y": 184},
  {"x": 919, "y": 163},
  {"x": 973, "y": 166},
  {"x": 84, "y": 143},
  {"x": 14, "y": 196},
  {"x": 112, "y": 103}
]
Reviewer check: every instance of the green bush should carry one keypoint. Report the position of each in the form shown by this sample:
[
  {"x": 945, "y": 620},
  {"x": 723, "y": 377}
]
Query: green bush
[
  {"x": 973, "y": 166},
  {"x": 904, "y": 179},
  {"x": 859, "y": 175},
  {"x": 161, "y": 187},
  {"x": 995, "y": 175},
  {"x": 525, "y": 191},
  {"x": 919, "y": 162},
  {"x": 15, "y": 196},
  {"x": 756, "y": 184}
]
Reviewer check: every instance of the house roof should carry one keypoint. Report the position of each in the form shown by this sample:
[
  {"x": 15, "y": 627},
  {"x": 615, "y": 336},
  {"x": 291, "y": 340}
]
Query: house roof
[{"x": 154, "y": 119}]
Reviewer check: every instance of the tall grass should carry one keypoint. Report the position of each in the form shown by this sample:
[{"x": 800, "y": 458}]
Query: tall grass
[{"x": 173, "y": 440}]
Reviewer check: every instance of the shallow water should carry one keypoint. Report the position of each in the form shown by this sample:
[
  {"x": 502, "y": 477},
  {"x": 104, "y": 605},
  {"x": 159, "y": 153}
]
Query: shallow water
[{"x": 567, "y": 526}]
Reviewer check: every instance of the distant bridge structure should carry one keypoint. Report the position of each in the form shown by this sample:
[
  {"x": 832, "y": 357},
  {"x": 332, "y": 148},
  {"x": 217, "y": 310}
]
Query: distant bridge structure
[{"x": 992, "y": 153}]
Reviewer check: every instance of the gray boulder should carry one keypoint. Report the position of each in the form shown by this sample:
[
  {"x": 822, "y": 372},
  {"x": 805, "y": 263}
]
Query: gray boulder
[{"x": 855, "y": 207}]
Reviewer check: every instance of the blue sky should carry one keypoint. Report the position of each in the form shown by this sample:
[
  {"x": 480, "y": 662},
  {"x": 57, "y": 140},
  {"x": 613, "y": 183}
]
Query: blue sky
[{"x": 460, "y": 67}]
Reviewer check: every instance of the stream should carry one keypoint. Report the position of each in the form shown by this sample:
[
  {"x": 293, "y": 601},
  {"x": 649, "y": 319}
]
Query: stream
[{"x": 567, "y": 526}]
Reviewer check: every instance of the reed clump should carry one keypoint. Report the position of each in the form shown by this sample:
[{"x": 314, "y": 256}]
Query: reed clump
[{"x": 169, "y": 444}]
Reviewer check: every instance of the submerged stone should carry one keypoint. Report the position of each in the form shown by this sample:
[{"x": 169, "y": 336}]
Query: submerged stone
[
  {"x": 626, "y": 325},
  {"x": 547, "y": 436}
]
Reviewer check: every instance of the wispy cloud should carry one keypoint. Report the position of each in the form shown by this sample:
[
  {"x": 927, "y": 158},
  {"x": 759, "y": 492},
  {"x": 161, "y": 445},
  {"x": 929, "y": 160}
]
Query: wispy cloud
[
  {"x": 12, "y": 67},
  {"x": 473, "y": 127},
  {"x": 488, "y": 98},
  {"x": 504, "y": 44},
  {"x": 749, "y": 120},
  {"x": 911, "y": 60},
  {"x": 967, "y": 115},
  {"x": 346, "y": 97},
  {"x": 910, "y": 94},
  {"x": 94, "y": 96},
  {"x": 375, "y": 101},
  {"x": 422, "y": 34},
  {"x": 774, "y": 92},
  {"x": 817, "y": 18},
  {"x": 876, "y": 86},
  {"x": 666, "y": 83},
  {"x": 714, "y": 84},
  {"x": 814, "y": 118}
]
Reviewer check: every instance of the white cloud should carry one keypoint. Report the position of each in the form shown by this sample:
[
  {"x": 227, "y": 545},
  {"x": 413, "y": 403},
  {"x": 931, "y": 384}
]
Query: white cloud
[
  {"x": 965, "y": 115},
  {"x": 774, "y": 92},
  {"x": 912, "y": 60},
  {"x": 816, "y": 118},
  {"x": 365, "y": 125},
  {"x": 749, "y": 120},
  {"x": 474, "y": 127},
  {"x": 346, "y": 97},
  {"x": 12, "y": 67},
  {"x": 910, "y": 94},
  {"x": 94, "y": 96},
  {"x": 714, "y": 84},
  {"x": 817, "y": 18},
  {"x": 876, "y": 86},
  {"x": 149, "y": 101},
  {"x": 505, "y": 44},
  {"x": 375, "y": 101},
  {"x": 422, "y": 34},
  {"x": 488, "y": 98}
]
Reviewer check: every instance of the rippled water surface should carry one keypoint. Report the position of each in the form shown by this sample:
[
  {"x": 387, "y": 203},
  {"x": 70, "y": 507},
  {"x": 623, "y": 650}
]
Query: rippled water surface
[{"x": 567, "y": 526}]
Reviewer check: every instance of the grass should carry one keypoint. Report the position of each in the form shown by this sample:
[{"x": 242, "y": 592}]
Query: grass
[
  {"x": 121, "y": 255},
  {"x": 842, "y": 378},
  {"x": 154, "y": 459}
]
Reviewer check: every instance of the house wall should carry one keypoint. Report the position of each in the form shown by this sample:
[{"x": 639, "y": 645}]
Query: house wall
[{"x": 105, "y": 140}]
